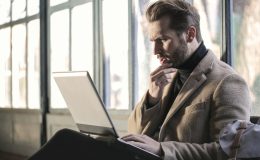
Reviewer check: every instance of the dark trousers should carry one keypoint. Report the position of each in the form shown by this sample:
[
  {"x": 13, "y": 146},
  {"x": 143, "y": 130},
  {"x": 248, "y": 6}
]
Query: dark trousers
[{"x": 71, "y": 145}]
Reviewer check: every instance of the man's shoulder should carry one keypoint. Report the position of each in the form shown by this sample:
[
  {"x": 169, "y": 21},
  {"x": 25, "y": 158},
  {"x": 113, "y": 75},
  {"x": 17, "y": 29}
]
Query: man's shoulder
[
  {"x": 214, "y": 69},
  {"x": 219, "y": 68}
]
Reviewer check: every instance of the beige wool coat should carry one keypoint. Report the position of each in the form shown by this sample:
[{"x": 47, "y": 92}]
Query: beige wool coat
[{"x": 212, "y": 96}]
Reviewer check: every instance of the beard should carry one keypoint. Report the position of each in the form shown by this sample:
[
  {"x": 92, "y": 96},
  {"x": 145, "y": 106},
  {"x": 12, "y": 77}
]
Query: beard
[{"x": 178, "y": 56}]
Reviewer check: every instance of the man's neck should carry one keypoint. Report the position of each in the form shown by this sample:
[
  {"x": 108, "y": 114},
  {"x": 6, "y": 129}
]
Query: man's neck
[
  {"x": 195, "y": 58},
  {"x": 194, "y": 46}
]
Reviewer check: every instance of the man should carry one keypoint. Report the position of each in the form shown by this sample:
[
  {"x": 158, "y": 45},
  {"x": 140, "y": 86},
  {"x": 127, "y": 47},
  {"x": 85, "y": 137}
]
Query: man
[{"x": 191, "y": 96}]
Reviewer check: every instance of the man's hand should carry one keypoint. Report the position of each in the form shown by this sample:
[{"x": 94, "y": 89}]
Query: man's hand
[
  {"x": 144, "y": 142},
  {"x": 158, "y": 80}
]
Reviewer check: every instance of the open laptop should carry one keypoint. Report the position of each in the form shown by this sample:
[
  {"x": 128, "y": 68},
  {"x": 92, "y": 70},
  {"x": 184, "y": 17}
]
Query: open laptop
[{"x": 88, "y": 111}]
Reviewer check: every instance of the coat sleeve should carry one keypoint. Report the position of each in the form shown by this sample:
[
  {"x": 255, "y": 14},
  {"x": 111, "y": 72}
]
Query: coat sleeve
[
  {"x": 230, "y": 101},
  {"x": 183, "y": 151},
  {"x": 141, "y": 116}
]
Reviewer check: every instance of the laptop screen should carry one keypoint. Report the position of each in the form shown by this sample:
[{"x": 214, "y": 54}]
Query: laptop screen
[{"x": 84, "y": 103}]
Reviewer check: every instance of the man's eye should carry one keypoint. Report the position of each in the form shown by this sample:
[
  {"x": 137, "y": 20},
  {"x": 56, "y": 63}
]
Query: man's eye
[{"x": 163, "y": 40}]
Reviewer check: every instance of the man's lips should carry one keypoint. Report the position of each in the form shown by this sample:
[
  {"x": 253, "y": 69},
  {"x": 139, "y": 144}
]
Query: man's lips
[{"x": 163, "y": 60}]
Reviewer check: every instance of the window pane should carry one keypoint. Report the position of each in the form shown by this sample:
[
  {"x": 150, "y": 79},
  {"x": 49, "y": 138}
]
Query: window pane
[
  {"x": 115, "y": 33},
  {"x": 5, "y": 11},
  {"x": 246, "y": 23},
  {"x": 82, "y": 38},
  {"x": 18, "y": 9},
  {"x": 60, "y": 41},
  {"x": 18, "y": 66},
  {"x": 56, "y": 2},
  {"x": 210, "y": 23},
  {"x": 33, "y": 64},
  {"x": 59, "y": 52},
  {"x": 32, "y": 7},
  {"x": 146, "y": 61},
  {"x": 5, "y": 68}
]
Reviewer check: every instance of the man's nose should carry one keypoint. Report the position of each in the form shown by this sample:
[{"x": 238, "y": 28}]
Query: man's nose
[{"x": 157, "y": 48}]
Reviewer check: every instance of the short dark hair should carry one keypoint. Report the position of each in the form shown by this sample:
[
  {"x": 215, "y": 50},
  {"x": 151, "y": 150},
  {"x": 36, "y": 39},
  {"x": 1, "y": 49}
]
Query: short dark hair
[{"x": 182, "y": 15}]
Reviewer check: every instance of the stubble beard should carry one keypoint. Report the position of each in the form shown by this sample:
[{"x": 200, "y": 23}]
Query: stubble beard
[{"x": 179, "y": 55}]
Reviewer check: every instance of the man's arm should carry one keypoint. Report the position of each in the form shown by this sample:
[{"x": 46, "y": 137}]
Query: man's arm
[
  {"x": 143, "y": 114},
  {"x": 150, "y": 103},
  {"x": 230, "y": 101}
]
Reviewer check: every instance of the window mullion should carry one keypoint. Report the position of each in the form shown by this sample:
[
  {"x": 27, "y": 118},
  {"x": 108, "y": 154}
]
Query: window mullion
[
  {"x": 97, "y": 46},
  {"x": 70, "y": 41},
  {"x": 227, "y": 32},
  {"x": 132, "y": 57},
  {"x": 26, "y": 58},
  {"x": 44, "y": 70}
]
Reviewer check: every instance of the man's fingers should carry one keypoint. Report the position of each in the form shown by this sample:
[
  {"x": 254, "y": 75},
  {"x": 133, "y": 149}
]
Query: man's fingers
[
  {"x": 135, "y": 138},
  {"x": 163, "y": 66},
  {"x": 164, "y": 77},
  {"x": 145, "y": 142},
  {"x": 168, "y": 72}
]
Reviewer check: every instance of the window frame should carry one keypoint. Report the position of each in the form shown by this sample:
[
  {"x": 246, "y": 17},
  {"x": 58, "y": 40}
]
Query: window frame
[
  {"x": 11, "y": 24},
  {"x": 44, "y": 15},
  {"x": 98, "y": 55},
  {"x": 97, "y": 38}
]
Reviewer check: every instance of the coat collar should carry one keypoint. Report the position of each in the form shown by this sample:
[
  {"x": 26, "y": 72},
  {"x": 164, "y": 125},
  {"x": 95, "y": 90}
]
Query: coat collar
[{"x": 194, "y": 81}]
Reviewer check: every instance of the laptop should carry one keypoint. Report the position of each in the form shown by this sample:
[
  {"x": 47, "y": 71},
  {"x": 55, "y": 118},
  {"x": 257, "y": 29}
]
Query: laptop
[{"x": 89, "y": 112}]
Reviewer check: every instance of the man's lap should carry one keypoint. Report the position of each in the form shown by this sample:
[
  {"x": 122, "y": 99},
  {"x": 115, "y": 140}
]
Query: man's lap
[{"x": 68, "y": 144}]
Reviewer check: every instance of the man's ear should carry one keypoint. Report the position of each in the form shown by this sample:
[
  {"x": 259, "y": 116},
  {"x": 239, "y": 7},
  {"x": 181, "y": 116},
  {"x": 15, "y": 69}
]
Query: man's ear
[{"x": 191, "y": 33}]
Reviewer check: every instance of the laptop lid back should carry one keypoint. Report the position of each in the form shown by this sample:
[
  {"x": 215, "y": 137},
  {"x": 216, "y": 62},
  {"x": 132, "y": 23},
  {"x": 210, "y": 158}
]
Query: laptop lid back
[{"x": 84, "y": 103}]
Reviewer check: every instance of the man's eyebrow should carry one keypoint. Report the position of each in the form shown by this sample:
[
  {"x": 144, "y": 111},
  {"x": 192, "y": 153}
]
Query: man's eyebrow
[
  {"x": 161, "y": 37},
  {"x": 156, "y": 38}
]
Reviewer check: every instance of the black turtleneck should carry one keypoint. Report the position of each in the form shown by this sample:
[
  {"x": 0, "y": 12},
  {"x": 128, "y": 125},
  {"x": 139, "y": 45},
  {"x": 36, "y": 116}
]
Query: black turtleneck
[{"x": 195, "y": 58}]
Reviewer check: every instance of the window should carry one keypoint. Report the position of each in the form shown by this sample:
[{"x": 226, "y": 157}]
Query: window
[
  {"x": 56, "y": 2},
  {"x": 32, "y": 7},
  {"x": 146, "y": 61},
  {"x": 246, "y": 40},
  {"x": 71, "y": 41},
  {"x": 114, "y": 48},
  {"x": 18, "y": 9},
  {"x": 19, "y": 66},
  {"x": 211, "y": 23},
  {"x": 82, "y": 35},
  {"x": 72, "y": 47},
  {"x": 19, "y": 54},
  {"x": 5, "y": 6},
  {"x": 115, "y": 37},
  {"x": 59, "y": 33},
  {"x": 33, "y": 64},
  {"x": 5, "y": 68}
]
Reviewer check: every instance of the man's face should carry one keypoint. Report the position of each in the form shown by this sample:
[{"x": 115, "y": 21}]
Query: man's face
[{"x": 167, "y": 45}]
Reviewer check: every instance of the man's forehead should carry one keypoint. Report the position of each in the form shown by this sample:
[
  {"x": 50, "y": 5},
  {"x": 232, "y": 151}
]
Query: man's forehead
[{"x": 158, "y": 27}]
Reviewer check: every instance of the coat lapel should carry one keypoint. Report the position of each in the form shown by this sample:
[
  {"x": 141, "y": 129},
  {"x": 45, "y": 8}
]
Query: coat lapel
[
  {"x": 166, "y": 93},
  {"x": 194, "y": 81}
]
